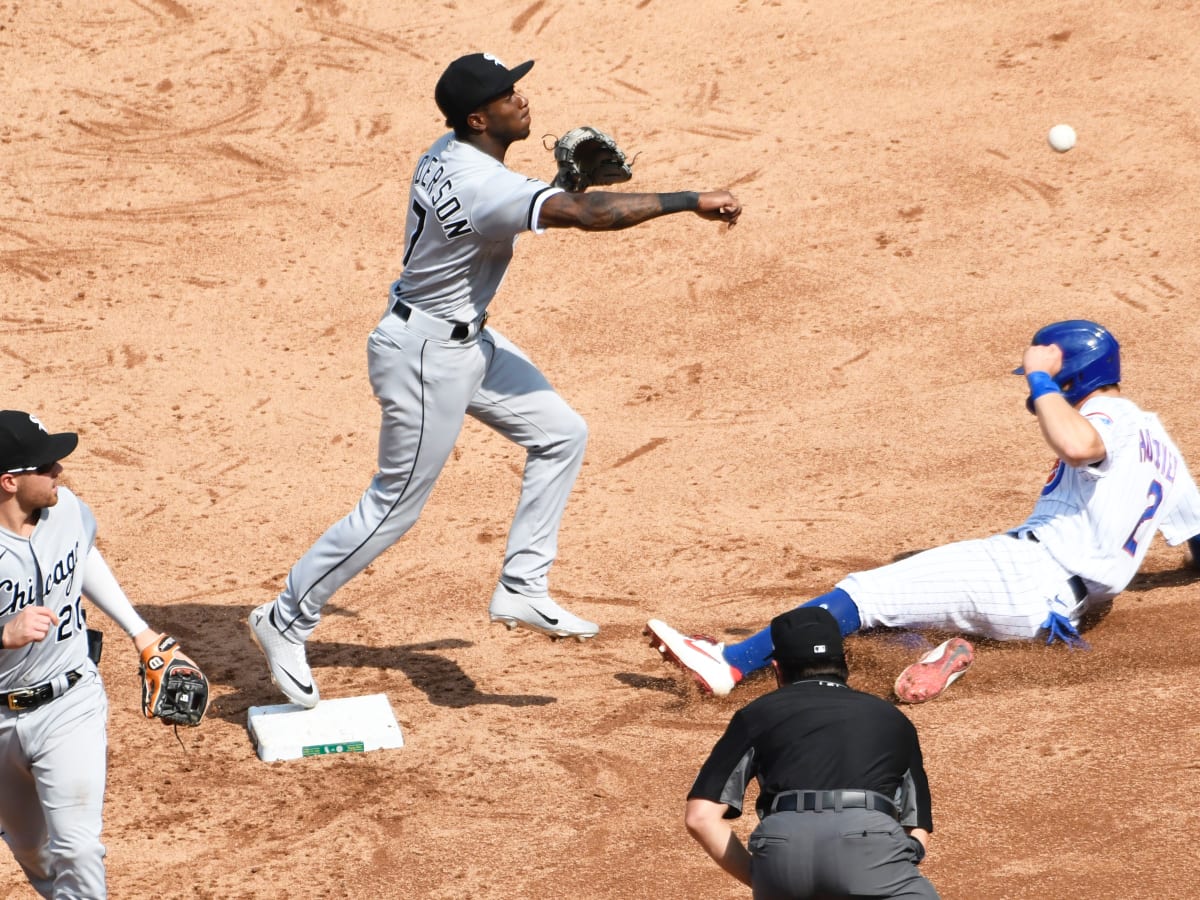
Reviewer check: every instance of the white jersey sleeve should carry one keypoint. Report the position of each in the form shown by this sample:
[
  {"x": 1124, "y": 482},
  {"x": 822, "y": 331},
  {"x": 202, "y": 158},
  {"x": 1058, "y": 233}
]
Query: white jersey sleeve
[
  {"x": 1098, "y": 521},
  {"x": 46, "y": 569}
]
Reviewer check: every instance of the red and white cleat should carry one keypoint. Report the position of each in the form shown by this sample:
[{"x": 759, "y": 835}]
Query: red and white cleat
[
  {"x": 702, "y": 657},
  {"x": 935, "y": 671}
]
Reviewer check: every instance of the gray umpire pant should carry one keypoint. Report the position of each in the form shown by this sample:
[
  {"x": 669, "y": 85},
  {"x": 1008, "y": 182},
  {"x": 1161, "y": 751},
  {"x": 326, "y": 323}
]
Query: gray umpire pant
[{"x": 834, "y": 854}]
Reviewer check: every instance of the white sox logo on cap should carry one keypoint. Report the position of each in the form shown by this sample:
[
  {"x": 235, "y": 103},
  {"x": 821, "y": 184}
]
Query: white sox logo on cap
[
  {"x": 472, "y": 80},
  {"x": 26, "y": 444}
]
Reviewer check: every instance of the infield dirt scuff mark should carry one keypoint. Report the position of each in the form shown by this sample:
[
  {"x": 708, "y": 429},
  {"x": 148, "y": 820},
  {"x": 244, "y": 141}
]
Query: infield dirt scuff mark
[{"x": 640, "y": 451}]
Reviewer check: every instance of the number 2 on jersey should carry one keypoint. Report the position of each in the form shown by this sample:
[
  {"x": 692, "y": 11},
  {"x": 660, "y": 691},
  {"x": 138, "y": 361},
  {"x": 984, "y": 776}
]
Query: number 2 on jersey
[{"x": 1155, "y": 496}]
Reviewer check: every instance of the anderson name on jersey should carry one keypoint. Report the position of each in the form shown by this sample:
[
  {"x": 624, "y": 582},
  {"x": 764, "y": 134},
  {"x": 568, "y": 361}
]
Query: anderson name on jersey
[{"x": 467, "y": 210}]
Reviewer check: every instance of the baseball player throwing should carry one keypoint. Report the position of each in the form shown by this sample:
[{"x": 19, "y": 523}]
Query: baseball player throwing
[
  {"x": 53, "y": 708},
  {"x": 1117, "y": 480},
  {"x": 433, "y": 360}
]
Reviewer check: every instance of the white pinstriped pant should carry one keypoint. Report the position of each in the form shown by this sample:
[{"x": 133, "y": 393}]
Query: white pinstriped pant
[{"x": 997, "y": 587}]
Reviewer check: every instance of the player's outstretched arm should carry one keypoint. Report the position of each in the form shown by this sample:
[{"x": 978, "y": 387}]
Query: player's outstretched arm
[
  {"x": 612, "y": 211},
  {"x": 101, "y": 587}
]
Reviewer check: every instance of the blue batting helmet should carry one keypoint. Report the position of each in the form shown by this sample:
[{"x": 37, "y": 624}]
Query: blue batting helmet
[{"x": 1091, "y": 356}]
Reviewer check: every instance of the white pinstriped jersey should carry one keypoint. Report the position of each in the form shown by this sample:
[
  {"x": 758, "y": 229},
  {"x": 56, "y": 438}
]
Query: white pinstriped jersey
[
  {"x": 46, "y": 569},
  {"x": 465, "y": 211},
  {"x": 1095, "y": 522},
  {"x": 1098, "y": 521}
]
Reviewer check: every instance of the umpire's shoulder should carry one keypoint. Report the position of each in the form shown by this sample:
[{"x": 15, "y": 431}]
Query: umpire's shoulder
[{"x": 884, "y": 706}]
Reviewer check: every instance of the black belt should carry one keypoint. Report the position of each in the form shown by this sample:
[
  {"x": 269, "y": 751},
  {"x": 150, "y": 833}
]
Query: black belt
[
  {"x": 458, "y": 333},
  {"x": 832, "y": 801},
  {"x": 32, "y": 698},
  {"x": 1078, "y": 588}
]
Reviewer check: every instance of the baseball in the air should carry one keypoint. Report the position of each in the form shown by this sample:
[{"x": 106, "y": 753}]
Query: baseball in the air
[{"x": 1061, "y": 138}]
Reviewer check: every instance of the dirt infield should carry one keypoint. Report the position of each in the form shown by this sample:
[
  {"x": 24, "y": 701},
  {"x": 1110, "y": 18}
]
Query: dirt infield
[{"x": 202, "y": 209}]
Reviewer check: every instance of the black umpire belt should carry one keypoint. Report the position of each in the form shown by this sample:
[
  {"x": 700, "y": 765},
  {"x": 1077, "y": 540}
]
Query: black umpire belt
[
  {"x": 32, "y": 698},
  {"x": 1078, "y": 588},
  {"x": 435, "y": 328},
  {"x": 832, "y": 801}
]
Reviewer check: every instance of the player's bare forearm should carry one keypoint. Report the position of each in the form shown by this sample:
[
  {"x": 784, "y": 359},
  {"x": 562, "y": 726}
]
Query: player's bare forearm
[
  {"x": 1069, "y": 434},
  {"x": 612, "y": 211},
  {"x": 706, "y": 823},
  {"x": 144, "y": 639}
]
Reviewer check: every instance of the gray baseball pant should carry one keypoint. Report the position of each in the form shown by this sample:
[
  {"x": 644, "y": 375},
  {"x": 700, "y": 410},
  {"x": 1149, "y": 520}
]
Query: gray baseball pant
[
  {"x": 53, "y": 766},
  {"x": 425, "y": 389}
]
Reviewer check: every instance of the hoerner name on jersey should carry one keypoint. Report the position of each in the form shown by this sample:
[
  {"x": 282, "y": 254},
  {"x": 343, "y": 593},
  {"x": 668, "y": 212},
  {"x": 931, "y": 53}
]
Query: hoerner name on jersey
[{"x": 1159, "y": 454}]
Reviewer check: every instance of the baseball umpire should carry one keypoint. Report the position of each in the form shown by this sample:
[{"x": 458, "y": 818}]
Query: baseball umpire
[
  {"x": 843, "y": 797},
  {"x": 53, "y": 707},
  {"x": 1117, "y": 480},
  {"x": 434, "y": 360}
]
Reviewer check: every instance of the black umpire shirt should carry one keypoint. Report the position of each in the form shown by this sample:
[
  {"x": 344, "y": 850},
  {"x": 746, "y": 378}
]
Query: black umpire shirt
[{"x": 819, "y": 735}]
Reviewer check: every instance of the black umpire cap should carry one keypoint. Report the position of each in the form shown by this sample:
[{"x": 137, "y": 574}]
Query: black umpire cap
[
  {"x": 806, "y": 635},
  {"x": 26, "y": 445},
  {"x": 471, "y": 81}
]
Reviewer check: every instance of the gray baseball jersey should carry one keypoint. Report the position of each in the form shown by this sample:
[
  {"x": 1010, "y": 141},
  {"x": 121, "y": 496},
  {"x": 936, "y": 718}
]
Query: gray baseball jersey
[
  {"x": 465, "y": 211},
  {"x": 432, "y": 361},
  {"x": 53, "y": 756},
  {"x": 46, "y": 569}
]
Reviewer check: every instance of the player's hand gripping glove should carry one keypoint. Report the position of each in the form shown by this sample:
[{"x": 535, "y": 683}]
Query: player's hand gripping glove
[
  {"x": 587, "y": 156},
  {"x": 173, "y": 687}
]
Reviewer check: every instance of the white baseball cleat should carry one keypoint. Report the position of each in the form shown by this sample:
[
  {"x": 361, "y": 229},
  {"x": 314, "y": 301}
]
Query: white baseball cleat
[
  {"x": 935, "y": 671},
  {"x": 700, "y": 656},
  {"x": 538, "y": 613},
  {"x": 286, "y": 659}
]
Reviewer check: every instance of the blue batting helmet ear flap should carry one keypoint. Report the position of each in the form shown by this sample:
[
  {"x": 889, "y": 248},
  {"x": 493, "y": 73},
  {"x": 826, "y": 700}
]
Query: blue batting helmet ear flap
[{"x": 1091, "y": 357}]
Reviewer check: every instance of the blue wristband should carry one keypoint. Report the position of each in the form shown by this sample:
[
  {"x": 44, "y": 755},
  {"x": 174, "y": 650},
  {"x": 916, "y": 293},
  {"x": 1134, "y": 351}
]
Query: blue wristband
[{"x": 1041, "y": 384}]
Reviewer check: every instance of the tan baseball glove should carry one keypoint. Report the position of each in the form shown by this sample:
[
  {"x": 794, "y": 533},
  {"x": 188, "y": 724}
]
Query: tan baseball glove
[{"x": 173, "y": 687}]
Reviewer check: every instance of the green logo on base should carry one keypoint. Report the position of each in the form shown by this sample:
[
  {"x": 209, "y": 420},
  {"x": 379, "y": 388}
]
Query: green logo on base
[{"x": 322, "y": 749}]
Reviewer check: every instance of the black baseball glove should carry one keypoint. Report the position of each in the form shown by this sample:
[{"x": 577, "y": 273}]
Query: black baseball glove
[
  {"x": 173, "y": 687},
  {"x": 587, "y": 156}
]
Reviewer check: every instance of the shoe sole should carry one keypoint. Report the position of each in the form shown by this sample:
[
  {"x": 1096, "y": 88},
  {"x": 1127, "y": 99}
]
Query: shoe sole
[
  {"x": 271, "y": 672},
  {"x": 933, "y": 673},
  {"x": 669, "y": 655},
  {"x": 552, "y": 633}
]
